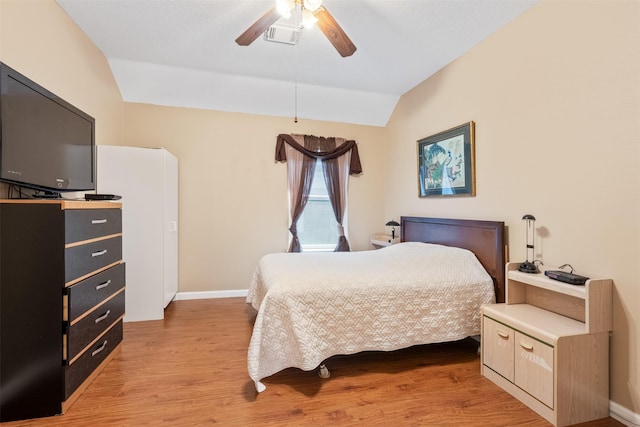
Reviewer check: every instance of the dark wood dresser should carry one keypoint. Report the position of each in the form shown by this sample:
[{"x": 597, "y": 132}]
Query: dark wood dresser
[{"x": 62, "y": 299}]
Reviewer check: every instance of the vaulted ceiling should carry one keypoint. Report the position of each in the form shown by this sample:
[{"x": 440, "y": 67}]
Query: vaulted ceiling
[{"x": 182, "y": 53}]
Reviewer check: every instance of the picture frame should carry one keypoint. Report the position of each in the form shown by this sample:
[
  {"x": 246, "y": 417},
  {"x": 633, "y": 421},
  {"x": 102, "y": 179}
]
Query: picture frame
[{"x": 446, "y": 163}]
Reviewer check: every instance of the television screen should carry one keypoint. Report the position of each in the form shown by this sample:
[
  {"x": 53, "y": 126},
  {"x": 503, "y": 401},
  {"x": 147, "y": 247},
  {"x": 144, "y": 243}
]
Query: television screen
[{"x": 46, "y": 143}]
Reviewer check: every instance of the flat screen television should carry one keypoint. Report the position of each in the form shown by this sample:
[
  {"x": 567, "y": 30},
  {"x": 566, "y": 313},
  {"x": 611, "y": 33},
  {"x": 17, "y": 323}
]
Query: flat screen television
[{"x": 46, "y": 144}]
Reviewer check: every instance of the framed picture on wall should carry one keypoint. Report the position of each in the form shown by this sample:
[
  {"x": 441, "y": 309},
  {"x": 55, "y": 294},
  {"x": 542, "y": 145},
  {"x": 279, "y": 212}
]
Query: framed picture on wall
[{"x": 446, "y": 163}]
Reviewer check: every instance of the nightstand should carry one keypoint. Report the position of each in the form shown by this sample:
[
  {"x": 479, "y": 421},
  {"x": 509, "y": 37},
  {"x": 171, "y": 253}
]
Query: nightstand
[
  {"x": 548, "y": 345},
  {"x": 381, "y": 240}
]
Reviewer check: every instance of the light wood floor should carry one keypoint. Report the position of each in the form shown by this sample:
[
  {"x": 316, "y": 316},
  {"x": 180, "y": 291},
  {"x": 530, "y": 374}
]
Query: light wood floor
[{"x": 190, "y": 370}]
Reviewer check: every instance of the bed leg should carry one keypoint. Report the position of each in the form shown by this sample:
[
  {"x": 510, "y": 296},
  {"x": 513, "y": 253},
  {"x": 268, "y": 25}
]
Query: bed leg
[
  {"x": 324, "y": 372},
  {"x": 477, "y": 338}
]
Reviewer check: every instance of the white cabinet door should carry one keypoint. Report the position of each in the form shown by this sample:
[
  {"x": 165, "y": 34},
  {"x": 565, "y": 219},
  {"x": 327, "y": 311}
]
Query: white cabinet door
[
  {"x": 534, "y": 368},
  {"x": 497, "y": 347},
  {"x": 146, "y": 178},
  {"x": 170, "y": 227}
]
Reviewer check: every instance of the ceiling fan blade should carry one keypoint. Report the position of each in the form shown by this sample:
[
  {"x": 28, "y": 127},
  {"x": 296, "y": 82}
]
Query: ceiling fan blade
[
  {"x": 258, "y": 27},
  {"x": 334, "y": 32}
]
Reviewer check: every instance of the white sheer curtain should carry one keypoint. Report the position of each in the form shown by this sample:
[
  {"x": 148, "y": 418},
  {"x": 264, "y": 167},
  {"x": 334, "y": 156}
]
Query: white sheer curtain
[{"x": 300, "y": 169}]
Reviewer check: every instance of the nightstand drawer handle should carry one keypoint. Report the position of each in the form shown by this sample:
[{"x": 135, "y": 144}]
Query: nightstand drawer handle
[
  {"x": 99, "y": 253},
  {"x": 526, "y": 346},
  {"x": 101, "y": 318},
  {"x": 503, "y": 334},
  {"x": 103, "y": 285},
  {"x": 102, "y": 347},
  {"x": 98, "y": 221}
]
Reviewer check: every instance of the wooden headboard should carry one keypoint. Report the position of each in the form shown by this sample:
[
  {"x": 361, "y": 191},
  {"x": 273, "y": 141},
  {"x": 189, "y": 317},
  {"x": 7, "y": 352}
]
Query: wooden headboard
[{"x": 484, "y": 238}]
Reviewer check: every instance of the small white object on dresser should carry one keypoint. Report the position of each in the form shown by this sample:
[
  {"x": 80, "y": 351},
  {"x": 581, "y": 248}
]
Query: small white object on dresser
[{"x": 548, "y": 345}]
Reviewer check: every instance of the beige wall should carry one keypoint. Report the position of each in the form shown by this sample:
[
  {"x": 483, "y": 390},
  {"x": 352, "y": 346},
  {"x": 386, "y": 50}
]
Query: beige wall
[
  {"x": 556, "y": 100},
  {"x": 39, "y": 40},
  {"x": 233, "y": 195}
]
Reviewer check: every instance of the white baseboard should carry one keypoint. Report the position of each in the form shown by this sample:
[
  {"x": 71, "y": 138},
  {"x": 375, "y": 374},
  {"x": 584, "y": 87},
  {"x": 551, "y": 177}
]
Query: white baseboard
[
  {"x": 624, "y": 415},
  {"x": 181, "y": 296}
]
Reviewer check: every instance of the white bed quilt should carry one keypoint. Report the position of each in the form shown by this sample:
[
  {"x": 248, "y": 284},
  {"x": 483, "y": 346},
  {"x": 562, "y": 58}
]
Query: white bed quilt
[{"x": 315, "y": 305}]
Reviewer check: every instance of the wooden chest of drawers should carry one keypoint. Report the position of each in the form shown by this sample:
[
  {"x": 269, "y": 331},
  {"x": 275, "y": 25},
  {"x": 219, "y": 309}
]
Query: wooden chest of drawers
[{"x": 62, "y": 297}]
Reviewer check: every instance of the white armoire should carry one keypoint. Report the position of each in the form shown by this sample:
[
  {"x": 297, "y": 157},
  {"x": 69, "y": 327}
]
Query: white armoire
[{"x": 147, "y": 180}]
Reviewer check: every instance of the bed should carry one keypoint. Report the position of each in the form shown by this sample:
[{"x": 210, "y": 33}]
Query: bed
[{"x": 311, "y": 306}]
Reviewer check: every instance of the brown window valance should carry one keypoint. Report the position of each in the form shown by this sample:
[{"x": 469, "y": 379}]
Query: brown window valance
[{"x": 355, "y": 166}]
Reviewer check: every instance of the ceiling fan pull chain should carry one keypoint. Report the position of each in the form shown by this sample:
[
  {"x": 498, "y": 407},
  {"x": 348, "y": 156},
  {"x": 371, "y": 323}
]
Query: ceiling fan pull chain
[{"x": 295, "y": 88}]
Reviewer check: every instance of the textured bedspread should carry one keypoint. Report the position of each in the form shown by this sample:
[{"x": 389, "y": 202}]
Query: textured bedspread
[{"x": 315, "y": 305}]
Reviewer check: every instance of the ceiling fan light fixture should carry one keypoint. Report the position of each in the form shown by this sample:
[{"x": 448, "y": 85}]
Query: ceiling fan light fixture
[
  {"x": 284, "y": 7},
  {"x": 308, "y": 19},
  {"x": 325, "y": 21},
  {"x": 312, "y": 5}
]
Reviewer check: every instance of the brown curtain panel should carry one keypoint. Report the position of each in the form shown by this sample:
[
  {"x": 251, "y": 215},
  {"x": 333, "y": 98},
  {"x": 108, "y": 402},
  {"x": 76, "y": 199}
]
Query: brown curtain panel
[
  {"x": 340, "y": 159},
  {"x": 334, "y": 178}
]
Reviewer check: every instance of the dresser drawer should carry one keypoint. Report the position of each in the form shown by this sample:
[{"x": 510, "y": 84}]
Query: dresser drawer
[
  {"x": 84, "y": 259},
  {"x": 85, "y": 330},
  {"x": 497, "y": 347},
  {"x": 534, "y": 368},
  {"x": 84, "y": 295},
  {"x": 85, "y": 224},
  {"x": 77, "y": 372}
]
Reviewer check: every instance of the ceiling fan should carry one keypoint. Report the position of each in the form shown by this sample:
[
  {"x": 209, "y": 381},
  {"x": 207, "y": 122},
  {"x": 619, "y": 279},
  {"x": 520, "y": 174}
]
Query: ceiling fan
[{"x": 311, "y": 11}]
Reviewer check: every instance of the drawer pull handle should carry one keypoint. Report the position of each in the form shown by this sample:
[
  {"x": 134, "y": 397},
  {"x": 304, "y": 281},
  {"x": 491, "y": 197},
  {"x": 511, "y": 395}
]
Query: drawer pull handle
[
  {"x": 101, "y": 318},
  {"x": 98, "y": 350},
  {"x": 99, "y": 253},
  {"x": 526, "y": 346},
  {"x": 103, "y": 285},
  {"x": 503, "y": 334},
  {"x": 98, "y": 221}
]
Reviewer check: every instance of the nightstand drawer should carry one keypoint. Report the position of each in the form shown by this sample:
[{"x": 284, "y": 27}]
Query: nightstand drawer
[
  {"x": 534, "y": 368},
  {"x": 77, "y": 372},
  {"x": 84, "y": 331},
  {"x": 84, "y": 259},
  {"x": 84, "y": 295},
  {"x": 498, "y": 345},
  {"x": 85, "y": 224}
]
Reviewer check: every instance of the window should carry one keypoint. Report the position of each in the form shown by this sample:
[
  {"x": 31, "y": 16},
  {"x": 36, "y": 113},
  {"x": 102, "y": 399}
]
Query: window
[
  {"x": 317, "y": 227},
  {"x": 301, "y": 152}
]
